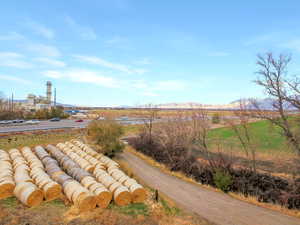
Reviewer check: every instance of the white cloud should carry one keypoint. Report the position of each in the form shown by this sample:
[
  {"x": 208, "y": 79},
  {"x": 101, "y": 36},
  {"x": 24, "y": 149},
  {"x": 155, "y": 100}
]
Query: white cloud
[
  {"x": 144, "y": 61},
  {"x": 12, "y": 36},
  {"x": 260, "y": 38},
  {"x": 86, "y": 33},
  {"x": 13, "y": 59},
  {"x": 169, "y": 85},
  {"x": 41, "y": 29},
  {"x": 85, "y": 76},
  {"x": 53, "y": 74},
  {"x": 51, "y": 62},
  {"x": 4, "y": 55},
  {"x": 107, "y": 64},
  {"x": 98, "y": 78},
  {"x": 219, "y": 53},
  {"x": 115, "y": 40},
  {"x": 292, "y": 44},
  {"x": 45, "y": 50},
  {"x": 150, "y": 94},
  {"x": 15, "y": 79}
]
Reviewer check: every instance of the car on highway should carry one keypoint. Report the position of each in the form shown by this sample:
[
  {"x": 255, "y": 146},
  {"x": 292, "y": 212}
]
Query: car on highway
[
  {"x": 79, "y": 121},
  {"x": 55, "y": 119},
  {"x": 18, "y": 121},
  {"x": 32, "y": 122}
]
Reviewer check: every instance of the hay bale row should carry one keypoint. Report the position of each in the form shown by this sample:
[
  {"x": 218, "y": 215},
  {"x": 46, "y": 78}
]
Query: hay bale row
[
  {"x": 51, "y": 189},
  {"x": 7, "y": 183},
  {"x": 25, "y": 191},
  {"x": 74, "y": 191},
  {"x": 137, "y": 191},
  {"x": 120, "y": 193},
  {"x": 82, "y": 162},
  {"x": 93, "y": 161},
  {"x": 103, "y": 159},
  {"x": 104, "y": 196},
  {"x": 71, "y": 167}
]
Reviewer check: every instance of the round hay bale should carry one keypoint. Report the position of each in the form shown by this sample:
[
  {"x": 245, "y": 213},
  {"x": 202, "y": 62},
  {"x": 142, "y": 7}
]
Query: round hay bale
[
  {"x": 89, "y": 168},
  {"x": 85, "y": 202},
  {"x": 130, "y": 182},
  {"x": 101, "y": 176},
  {"x": 123, "y": 179},
  {"x": 138, "y": 193},
  {"x": 62, "y": 178},
  {"x": 22, "y": 177},
  {"x": 69, "y": 188},
  {"x": 42, "y": 182},
  {"x": 31, "y": 196},
  {"x": 88, "y": 181},
  {"x": 52, "y": 191},
  {"x": 22, "y": 167},
  {"x": 117, "y": 174},
  {"x": 122, "y": 196},
  {"x": 55, "y": 175},
  {"x": 6, "y": 189},
  {"x": 112, "y": 169},
  {"x": 114, "y": 187},
  {"x": 107, "y": 181},
  {"x": 95, "y": 186},
  {"x": 103, "y": 197},
  {"x": 99, "y": 172}
]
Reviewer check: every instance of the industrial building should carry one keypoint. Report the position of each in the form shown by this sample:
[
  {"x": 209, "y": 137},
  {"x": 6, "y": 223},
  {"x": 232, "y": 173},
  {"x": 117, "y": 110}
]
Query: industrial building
[{"x": 34, "y": 102}]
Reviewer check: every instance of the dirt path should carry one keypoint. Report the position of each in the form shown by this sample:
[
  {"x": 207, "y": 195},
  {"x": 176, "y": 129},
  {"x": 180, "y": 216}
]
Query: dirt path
[{"x": 215, "y": 207}]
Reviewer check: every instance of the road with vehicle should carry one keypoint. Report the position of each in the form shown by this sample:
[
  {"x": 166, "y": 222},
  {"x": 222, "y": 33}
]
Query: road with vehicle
[{"x": 43, "y": 125}]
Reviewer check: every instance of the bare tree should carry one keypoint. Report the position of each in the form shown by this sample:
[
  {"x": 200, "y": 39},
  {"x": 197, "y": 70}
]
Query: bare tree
[
  {"x": 284, "y": 92},
  {"x": 241, "y": 127},
  {"x": 149, "y": 118}
]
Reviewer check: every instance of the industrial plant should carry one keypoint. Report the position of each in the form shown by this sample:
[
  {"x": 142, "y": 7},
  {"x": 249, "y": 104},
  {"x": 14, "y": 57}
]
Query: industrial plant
[{"x": 34, "y": 102}]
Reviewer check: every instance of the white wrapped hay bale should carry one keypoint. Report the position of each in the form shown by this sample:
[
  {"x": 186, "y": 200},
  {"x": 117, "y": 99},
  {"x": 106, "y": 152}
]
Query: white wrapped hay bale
[
  {"x": 28, "y": 194},
  {"x": 7, "y": 184}
]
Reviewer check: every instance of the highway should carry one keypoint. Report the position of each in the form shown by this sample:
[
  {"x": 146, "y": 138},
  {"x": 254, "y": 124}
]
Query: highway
[{"x": 43, "y": 125}]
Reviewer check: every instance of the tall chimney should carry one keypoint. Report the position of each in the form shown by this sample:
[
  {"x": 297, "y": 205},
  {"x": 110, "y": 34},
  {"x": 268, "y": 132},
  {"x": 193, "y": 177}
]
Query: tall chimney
[{"x": 49, "y": 92}]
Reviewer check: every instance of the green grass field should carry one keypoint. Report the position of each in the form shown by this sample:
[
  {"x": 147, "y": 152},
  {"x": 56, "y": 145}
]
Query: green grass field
[{"x": 266, "y": 138}]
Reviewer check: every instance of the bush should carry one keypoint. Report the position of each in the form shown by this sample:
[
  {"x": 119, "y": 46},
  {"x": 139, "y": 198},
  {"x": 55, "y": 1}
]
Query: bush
[
  {"x": 222, "y": 180},
  {"x": 106, "y": 134},
  {"x": 215, "y": 118}
]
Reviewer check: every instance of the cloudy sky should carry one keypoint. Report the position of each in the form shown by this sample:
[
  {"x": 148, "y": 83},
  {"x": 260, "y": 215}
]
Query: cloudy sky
[{"x": 129, "y": 52}]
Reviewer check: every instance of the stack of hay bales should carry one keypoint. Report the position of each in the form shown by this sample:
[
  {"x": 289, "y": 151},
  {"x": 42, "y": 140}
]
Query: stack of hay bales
[
  {"x": 113, "y": 169},
  {"x": 120, "y": 193},
  {"x": 52, "y": 190},
  {"x": 26, "y": 191},
  {"x": 7, "y": 184},
  {"x": 75, "y": 192}
]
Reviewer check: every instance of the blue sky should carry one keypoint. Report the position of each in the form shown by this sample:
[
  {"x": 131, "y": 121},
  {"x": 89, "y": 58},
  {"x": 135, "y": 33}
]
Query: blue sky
[{"x": 129, "y": 52}]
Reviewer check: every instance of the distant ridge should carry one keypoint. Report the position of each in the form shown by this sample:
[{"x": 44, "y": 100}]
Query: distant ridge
[{"x": 265, "y": 104}]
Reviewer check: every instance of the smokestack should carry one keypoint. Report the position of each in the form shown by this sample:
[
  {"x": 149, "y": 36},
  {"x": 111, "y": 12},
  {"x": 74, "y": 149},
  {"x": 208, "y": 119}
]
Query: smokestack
[{"x": 49, "y": 91}]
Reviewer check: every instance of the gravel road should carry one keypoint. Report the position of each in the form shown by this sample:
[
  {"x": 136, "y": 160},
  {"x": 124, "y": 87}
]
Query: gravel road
[{"x": 216, "y": 207}]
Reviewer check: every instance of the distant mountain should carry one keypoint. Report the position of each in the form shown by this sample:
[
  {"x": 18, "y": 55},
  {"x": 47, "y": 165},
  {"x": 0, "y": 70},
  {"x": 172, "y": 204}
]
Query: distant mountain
[{"x": 266, "y": 104}]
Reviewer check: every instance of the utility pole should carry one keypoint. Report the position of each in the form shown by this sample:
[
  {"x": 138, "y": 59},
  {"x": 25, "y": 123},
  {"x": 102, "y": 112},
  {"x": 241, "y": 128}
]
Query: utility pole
[
  {"x": 12, "y": 102},
  {"x": 54, "y": 97}
]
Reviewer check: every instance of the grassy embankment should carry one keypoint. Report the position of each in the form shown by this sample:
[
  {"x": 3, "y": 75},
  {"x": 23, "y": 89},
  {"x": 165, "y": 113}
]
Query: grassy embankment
[
  {"x": 60, "y": 212},
  {"x": 32, "y": 139}
]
